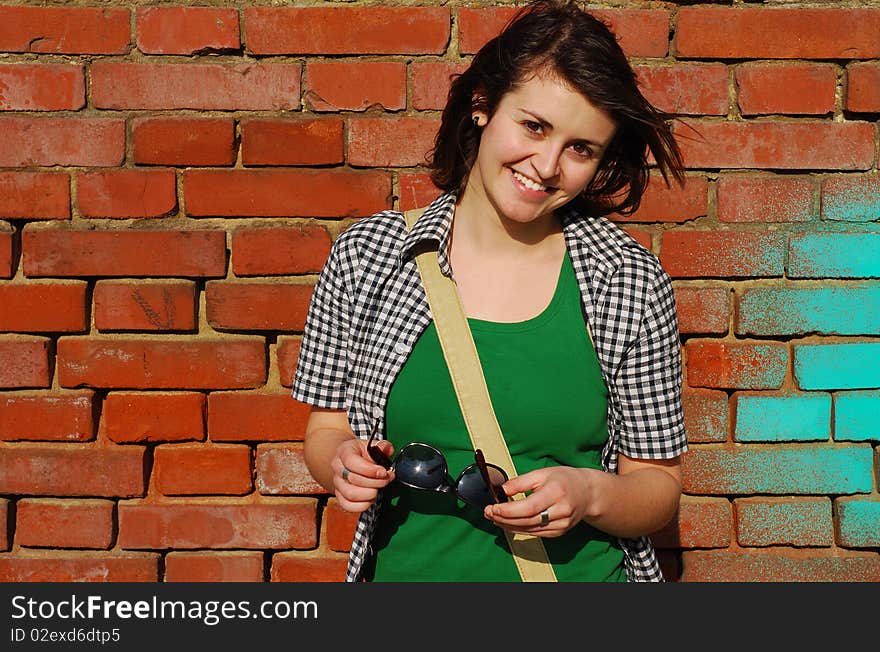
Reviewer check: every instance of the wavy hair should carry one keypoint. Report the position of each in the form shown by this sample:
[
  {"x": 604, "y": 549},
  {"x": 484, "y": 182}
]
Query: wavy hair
[{"x": 559, "y": 38}]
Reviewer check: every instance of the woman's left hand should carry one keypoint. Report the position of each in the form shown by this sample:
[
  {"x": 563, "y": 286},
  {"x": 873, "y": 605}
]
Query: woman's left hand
[{"x": 562, "y": 496}]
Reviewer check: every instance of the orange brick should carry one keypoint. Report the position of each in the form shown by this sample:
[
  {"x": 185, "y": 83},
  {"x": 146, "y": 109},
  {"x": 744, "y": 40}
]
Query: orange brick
[
  {"x": 293, "y": 567},
  {"x": 269, "y": 141},
  {"x": 186, "y": 30},
  {"x": 239, "y": 566},
  {"x": 391, "y": 142},
  {"x": 35, "y": 195},
  {"x": 47, "y": 566},
  {"x": 255, "y": 416},
  {"x": 257, "y": 306},
  {"x": 685, "y": 88},
  {"x": 130, "y": 417},
  {"x": 43, "y": 307},
  {"x": 341, "y": 526},
  {"x": 86, "y": 142},
  {"x": 55, "y": 416},
  {"x": 181, "y": 469},
  {"x": 265, "y": 251},
  {"x": 183, "y": 141},
  {"x": 288, "y": 353},
  {"x": 355, "y": 86},
  {"x": 42, "y": 87},
  {"x": 53, "y": 523},
  {"x": 145, "y": 306},
  {"x": 126, "y": 193},
  {"x": 809, "y": 88},
  {"x": 281, "y": 470},
  {"x": 703, "y": 309},
  {"x": 64, "y": 30},
  {"x": 24, "y": 362},
  {"x": 765, "y": 198},
  {"x": 863, "y": 87}
]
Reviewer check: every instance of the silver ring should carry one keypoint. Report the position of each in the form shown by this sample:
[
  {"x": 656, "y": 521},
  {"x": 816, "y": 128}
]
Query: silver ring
[
  {"x": 345, "y": 473},
  {"x": 545, "y": 517}
]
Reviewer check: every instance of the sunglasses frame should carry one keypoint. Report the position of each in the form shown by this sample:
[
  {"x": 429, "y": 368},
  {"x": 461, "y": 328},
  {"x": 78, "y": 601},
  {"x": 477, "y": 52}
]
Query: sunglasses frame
[{"x": 495, "y": 491}]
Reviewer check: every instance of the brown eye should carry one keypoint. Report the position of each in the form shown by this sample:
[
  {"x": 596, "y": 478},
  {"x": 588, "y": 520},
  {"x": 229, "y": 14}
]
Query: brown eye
[
  {"x": 532, "y": 126},
  {"x": 582, "y": 149}
]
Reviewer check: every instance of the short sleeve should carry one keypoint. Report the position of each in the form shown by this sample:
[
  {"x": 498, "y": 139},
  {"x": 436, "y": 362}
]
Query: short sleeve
[
  {"x": 322, "y": 367},
  {"x": 648, "y": 385}
]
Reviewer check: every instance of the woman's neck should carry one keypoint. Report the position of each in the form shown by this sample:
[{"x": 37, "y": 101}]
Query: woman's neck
[{"x": 477, "y": 222}]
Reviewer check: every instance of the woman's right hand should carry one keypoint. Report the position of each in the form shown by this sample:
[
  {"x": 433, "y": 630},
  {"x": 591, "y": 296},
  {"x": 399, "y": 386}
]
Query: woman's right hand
[{"x": 357, "y": 479}]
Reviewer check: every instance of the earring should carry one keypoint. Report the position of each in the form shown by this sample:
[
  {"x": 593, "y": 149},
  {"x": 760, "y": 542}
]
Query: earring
[{"x": 477, "y": 121}]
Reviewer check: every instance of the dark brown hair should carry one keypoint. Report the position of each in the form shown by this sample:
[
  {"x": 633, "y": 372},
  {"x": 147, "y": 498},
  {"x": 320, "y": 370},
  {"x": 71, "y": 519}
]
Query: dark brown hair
[{"x": 560, "y": 38}]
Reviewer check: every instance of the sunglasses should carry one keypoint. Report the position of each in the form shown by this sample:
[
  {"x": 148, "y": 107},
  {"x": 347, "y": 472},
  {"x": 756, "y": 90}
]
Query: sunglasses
[{"x": 421, "y": 466}]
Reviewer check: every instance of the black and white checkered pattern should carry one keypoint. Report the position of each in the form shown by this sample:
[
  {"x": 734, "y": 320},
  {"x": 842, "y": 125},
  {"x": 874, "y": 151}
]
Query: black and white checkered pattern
[{"x": 369, "y": 308}]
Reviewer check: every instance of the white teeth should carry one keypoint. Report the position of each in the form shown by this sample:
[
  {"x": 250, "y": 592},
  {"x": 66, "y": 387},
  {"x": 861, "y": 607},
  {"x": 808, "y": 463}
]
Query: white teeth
[{"x": 528, "y": 183}]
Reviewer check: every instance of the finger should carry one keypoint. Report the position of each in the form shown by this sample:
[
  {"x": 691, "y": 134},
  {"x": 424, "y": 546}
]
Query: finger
[
  {"x": 519, "y": 511},
  {"x": 360, "y": 471},
  {"x": 525, "y": 482}
]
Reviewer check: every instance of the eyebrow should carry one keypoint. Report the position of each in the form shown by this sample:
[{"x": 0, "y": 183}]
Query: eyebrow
[{"x": 546, "y": 123}]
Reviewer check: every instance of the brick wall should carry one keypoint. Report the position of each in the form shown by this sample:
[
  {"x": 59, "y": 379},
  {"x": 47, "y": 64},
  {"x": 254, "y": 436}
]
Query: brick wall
[{"x": 172, "y": 177}]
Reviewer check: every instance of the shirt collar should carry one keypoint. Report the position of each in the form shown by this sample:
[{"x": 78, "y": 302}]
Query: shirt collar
[{"x": 601, "y": 241}]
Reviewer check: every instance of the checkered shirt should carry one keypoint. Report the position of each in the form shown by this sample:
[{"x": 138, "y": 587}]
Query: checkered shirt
[{"x": 369, "y": 308}]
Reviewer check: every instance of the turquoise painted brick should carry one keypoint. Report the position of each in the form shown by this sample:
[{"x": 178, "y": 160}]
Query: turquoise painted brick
[
  {"x": 859, "y": 523},
  {"x": 834, "y": 255},
  {"x": 801, "y": 417},
  {"x": 784, "y": 522},
  {"x": 851, "y": 198},
  {"x": 837, "y": 366},
  {"x": 850, "y": 310},
  {"x": 811, "y": 469},
  {"x": 857, "y": 416}
]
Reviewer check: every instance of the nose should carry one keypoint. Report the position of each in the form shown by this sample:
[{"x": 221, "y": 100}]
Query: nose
[{"x": 546, "y": 160}]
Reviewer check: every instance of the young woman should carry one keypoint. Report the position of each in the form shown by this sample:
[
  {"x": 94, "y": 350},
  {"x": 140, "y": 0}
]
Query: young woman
[{"x": 574, "y": 323}]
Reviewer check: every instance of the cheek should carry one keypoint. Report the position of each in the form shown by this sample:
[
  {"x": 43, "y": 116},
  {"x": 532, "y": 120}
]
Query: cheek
[{"x": 578, "y": 177}]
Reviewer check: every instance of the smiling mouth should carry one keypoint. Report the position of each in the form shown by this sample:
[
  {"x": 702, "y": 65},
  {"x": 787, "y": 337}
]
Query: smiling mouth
[{"x": 529, "y": 183}]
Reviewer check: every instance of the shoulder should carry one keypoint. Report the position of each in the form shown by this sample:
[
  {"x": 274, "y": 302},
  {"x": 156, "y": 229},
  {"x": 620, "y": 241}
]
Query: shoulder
[{"x": 372, "y": 240}]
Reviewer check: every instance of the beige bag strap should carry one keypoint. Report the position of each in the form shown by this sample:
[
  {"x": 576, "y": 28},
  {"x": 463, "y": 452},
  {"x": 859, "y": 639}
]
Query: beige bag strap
[{"x": 473, "y": 397}]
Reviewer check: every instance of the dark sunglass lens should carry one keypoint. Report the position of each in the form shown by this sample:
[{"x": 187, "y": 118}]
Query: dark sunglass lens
[
  {"x": 472, "y": 489},
  {"x": 421, "y": 466}
]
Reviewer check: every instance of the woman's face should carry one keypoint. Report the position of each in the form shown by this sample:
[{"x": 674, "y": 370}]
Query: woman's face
[{"x": 539, "y": 150}]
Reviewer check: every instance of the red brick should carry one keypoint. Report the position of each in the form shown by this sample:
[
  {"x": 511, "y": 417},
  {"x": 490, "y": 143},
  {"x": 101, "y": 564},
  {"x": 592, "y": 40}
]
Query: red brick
[
  {"x": 61, "y": 30},
  {"x": 863, "y": 87},
  {"x": 186, "y": 469},
  {"x": 42, "y": 87},
  {"x": 355, "y": 85},
  {"x": 642, "y": 237},
  {"x": 52, "y": 523},
  {"x": 183, "y": 141},
  {"x": 265, "y": 251},
  {"x": 281, "y": 523},
  {"x": 703, "y": 309},
  {"x": 145, "y": 305},
  {"x": 178, "y": 363},
  {"x": 809, "y": 88},
  {"x": 35, "y": 195},
  {"x": 72, "y": 470},
  {"x": 86, "y": 142},
  {"x": 126, "y": 193},
  {"x": 778, "y": 145},
  {"x": 24, "y": 362},
  {"x": 431, "y": 81},
  {"x": 640, "y": 32},
  {"x": 78, "y": 567},
  {"x": 290, "y": 567},
  {"x": 43, "y": 307},
  {"x": 784, "y": 521},
  {"x": 269, "y": 141},
  {"x": 416, "y": 190},
  {"x": 391, "y": 142},
  {"x": 288, "y": 354},
  {"x": 257, "y": 306},
  {"x": 281, "y": 470},
  {"x": 186, "y": 30},
  {"x": 244, "y": 86},
  {"x": 254, "y": 416},
  {"x": 285, "y": 193},
  {"x": 56, "y": 416},
  {"x": 705, "y": 415},
  {"x": 685, "y": 88},
  {"x": 238, "y": 566},
  {"x": 777, "y": 33},
  {"x": 700, "y": 523},
  {"x": 346, "y": 30},
  {"x": 7, "y": 262},
  {"x": 765, "y": 198},
  {"x": 130, "y": 417},
  {"x": 780, "y": 565},
  {"x": 723, "y": 253},
  {"x": 662, "y": 203},
  {"x": 340, "y": 527},
  {"x": 66, "y": 252},
  {"x": 736, "y": 365}
]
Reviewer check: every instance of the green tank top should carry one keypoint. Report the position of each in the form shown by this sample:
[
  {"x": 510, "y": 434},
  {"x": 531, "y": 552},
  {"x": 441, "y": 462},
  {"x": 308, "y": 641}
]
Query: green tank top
[{"x": 550, "y": 400}]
